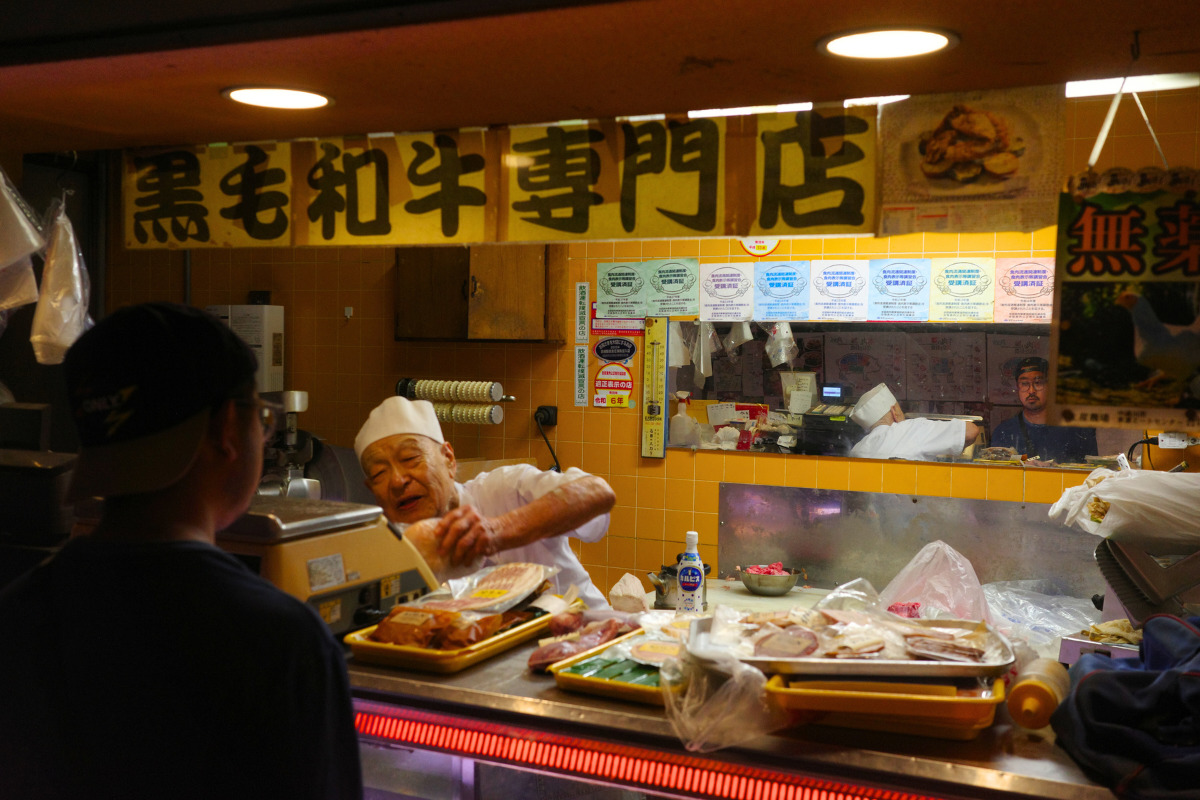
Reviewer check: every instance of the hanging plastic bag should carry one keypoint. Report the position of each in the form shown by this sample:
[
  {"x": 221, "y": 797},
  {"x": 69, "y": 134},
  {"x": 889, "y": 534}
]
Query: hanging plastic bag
[
  {"x": 678, "y": 352},
  {"x": 943, "y": 581},
  {"x": 705, "y": 345},
  {"x": 739, "y": 334},
  {"x": 18, "y": 286},
  {"x": 62, "y": 311},
  {"x": 19, "y": 235},
  {"x": 717, "y": 703},
  {"x": 781, "y": 345}
]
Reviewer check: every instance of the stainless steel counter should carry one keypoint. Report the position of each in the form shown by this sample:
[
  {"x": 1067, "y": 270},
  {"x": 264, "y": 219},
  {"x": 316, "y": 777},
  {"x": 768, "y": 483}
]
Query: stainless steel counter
[{"x": 1004, "y": 761}]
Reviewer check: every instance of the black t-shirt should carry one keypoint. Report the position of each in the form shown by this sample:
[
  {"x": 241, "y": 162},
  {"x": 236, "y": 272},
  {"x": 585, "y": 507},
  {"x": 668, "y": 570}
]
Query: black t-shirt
[
  {"x": 1062, "y": 444},
  {"x": 140, "y": 670}
]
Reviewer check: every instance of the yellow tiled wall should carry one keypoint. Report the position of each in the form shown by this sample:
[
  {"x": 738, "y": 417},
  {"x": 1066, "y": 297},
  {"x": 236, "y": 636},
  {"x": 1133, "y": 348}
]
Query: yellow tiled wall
[{"x": 348, "y": 365}]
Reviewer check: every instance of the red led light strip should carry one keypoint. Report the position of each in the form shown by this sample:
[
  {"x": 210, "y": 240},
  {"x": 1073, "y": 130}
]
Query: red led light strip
[{"x": 603, "y": 761}]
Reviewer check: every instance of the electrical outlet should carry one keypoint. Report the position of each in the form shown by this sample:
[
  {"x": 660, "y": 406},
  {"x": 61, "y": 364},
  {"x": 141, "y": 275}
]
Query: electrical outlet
[
  {"x": 547, "y": 416},
  {"x": 1172, "y": 440}
]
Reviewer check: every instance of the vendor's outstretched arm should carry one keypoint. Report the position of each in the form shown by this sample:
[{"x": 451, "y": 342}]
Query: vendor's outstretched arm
[{"x": 464, "y": 534}]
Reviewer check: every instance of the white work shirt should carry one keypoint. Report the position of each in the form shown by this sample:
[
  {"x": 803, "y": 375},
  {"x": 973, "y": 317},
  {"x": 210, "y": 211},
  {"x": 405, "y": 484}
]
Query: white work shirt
[
  {"x": 915, "y": 439},
  {"x": 508, "y": 488}
]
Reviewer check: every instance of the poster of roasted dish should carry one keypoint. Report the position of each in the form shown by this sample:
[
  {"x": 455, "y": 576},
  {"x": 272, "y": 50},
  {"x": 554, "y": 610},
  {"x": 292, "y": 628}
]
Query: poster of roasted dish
[
  {"x": 1126, "y": 349},
  {"x": 974, "y": 162}
]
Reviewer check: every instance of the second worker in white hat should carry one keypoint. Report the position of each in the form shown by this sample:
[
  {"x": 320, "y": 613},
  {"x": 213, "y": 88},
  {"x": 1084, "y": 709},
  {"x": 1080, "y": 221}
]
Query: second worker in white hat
[
  {"x": 891, "y": 435},
  {"x": 509, "y": 514}
]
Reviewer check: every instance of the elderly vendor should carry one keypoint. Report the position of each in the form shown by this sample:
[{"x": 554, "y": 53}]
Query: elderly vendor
[
  {"x": 510, "y": 514},
  {"x": 890, "y": 435}
]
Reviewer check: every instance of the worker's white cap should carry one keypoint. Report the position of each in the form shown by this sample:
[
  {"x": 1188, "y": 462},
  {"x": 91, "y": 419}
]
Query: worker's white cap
[
  {"x": 871, "y": 407},
  {"x": 398, "y": 415}
]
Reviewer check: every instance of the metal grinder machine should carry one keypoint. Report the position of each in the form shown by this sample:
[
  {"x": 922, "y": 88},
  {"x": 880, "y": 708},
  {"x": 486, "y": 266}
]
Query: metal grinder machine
[{"x": 343, "y": 559}]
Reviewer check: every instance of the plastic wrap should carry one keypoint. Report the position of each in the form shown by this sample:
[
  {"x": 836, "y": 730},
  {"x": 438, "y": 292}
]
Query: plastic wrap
[
  {"x": 19, "y": 234},
  {"x": 943, "y": 581},
  {"x": 1023, "y": 612},
  {"x": 718, "y": 704},
  {"x": 492, "y": 589},
  {"x": 62, "y": 309}
]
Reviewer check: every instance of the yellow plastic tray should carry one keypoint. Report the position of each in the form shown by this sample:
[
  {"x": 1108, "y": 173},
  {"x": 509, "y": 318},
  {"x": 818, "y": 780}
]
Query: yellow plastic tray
[
  {"x": 648, "y": 695},
  {"x": 444, "y": 661},
  {"x": 919, "y": 709}
]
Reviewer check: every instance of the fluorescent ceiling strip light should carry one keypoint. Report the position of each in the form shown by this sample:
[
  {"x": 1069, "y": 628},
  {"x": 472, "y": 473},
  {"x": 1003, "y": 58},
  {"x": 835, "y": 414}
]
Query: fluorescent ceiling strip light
[
  {"x": 1135, "y": 83},
  {"x": 874, "y": 101},
  {"x": 737, "y": 112}
]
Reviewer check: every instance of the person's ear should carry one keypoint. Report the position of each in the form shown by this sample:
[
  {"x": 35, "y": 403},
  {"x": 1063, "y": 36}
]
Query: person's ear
[
  {"x": 224, "y": 430},
  {"x": 448, "y": 454}
]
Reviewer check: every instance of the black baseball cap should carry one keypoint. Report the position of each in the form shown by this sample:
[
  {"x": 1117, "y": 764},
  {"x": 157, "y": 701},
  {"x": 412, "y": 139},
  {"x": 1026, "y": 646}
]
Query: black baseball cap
[
  {"x": 1031, "y": 364},
  {"x": 141, "y": 384}
]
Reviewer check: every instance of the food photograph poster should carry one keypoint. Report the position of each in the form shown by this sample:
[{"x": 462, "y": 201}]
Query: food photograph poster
[
  {"x": 972, "y": 162},
  {"x": 1127, "y": 344}
]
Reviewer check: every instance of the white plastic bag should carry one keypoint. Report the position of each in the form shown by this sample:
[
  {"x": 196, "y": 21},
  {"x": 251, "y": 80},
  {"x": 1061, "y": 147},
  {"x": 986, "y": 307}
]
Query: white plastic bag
[
  {"x": 943, "y": 581},
  {"x": 19, "y": 236},
  {"x": 62, "y": 311},
  {"x": 1140, "y": 505},
  {"x": 717, "y": 703},
  {"x": 18, "y": 287}
]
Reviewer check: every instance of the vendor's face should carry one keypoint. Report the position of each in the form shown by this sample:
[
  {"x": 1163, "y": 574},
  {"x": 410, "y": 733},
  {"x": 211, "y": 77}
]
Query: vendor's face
[
  {"x": 1031, "y": 388},
  {"x": 412, "y": 477}
]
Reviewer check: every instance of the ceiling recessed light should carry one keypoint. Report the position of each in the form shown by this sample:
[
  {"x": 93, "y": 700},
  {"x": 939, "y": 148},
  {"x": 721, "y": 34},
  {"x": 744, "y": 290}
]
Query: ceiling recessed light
[
  {"x": 275, "y": 97},
  {"x": 887, "y": 43}
]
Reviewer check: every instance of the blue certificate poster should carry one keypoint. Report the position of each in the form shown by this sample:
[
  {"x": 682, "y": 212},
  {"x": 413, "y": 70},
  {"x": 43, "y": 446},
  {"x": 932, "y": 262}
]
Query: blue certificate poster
[
  {"x": 899, "y": 290},
  {"x": 781, "y": 290}
]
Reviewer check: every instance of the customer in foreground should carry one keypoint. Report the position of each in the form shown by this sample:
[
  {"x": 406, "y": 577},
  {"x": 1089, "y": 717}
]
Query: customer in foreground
[{"x": 141, "y": 661}]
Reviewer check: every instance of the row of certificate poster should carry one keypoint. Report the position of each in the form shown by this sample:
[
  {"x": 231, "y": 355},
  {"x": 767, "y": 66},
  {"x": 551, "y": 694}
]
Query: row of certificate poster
[{"x": 1005, "y": 290}]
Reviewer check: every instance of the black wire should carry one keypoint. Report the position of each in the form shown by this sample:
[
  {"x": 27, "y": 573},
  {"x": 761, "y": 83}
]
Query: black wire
[
  {"x": 1148, "y": 440},
  {"x": 556, "y": 467}
]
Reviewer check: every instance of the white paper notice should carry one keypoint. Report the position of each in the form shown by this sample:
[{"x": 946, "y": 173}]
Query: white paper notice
[
  {"x": 839, "y": 291},
  {"x": 725, "y": 292},
  {"x": 781, "y": 291},
  {"x": 621, "y": 291},
  {"x": 962, "y": 290},
  {"x": 1024, "y": 290},
  {"x": 671, "y": 287}
]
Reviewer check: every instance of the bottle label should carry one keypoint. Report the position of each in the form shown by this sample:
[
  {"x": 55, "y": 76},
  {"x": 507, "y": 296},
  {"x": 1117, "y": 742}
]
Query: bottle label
[{"x": 690, "y": 578}]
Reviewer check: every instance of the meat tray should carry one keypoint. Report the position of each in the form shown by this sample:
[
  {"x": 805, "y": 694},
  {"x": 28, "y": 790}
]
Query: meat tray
[
  {"x": 649, "y": 695},
  {"x": 870, "y": 667},
  {"x": 426, "y": 659}
]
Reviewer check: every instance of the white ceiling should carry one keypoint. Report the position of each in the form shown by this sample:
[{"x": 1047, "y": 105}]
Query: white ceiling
[{"x": 595, "y": 60}]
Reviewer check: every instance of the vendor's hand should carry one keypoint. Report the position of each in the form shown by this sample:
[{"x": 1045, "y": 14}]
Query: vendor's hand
[{"x": 465, "y": 535}]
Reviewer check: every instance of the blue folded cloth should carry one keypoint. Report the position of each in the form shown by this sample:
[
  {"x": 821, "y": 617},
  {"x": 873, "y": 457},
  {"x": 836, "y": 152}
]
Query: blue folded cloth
[{"x": 1134, "y": 724}]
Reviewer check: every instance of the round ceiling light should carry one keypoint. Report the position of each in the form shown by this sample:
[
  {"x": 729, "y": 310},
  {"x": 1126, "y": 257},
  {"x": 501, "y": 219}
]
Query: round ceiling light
[
  {"x": 887, "y": 43},
  {"x": 274, "y": 97}
]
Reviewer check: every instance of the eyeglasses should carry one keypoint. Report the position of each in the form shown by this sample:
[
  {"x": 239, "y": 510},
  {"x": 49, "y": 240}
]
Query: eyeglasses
[
  {"x": 269, "y": 414},
  {"x": 1036, "y": 383}
]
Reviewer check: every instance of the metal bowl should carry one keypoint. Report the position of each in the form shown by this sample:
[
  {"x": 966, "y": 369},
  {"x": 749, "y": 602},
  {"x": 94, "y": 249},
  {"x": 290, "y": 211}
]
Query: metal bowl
[{"x": 770, "y": 585}]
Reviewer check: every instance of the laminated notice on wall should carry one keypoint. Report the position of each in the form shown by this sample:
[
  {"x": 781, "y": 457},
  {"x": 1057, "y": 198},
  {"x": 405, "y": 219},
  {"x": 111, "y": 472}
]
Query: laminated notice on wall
[{"x": 839, "y": 291}]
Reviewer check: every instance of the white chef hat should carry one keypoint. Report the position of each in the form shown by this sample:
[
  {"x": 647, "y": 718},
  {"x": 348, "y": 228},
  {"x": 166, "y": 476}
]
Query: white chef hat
[
  {"x": 398, "y": 415},
  {"x": 872, "y": 406}
]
